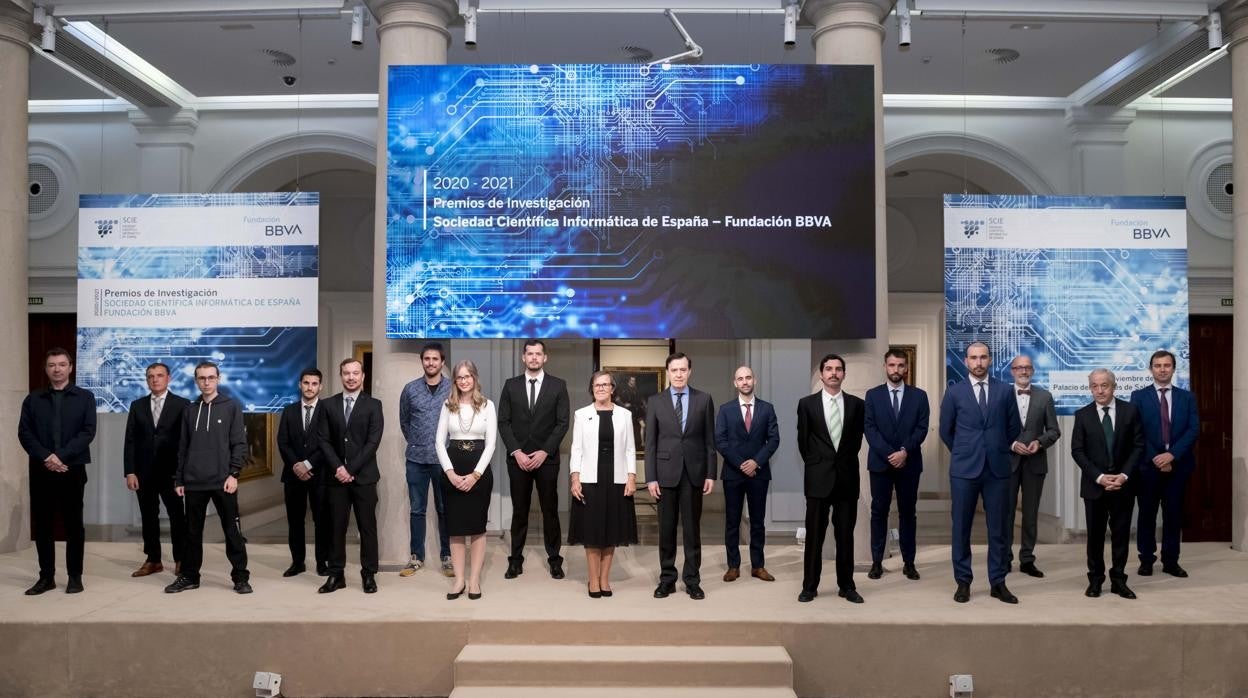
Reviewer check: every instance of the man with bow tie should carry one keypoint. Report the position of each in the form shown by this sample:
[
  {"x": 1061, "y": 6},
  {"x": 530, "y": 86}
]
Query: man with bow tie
[{"x": 1029, "y": 460}]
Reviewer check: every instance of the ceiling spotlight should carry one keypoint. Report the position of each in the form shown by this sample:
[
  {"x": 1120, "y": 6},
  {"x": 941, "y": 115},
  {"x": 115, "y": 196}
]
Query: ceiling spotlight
[
  {"x": 470, "y": 27},
  {"x": 48, "y": 41},
  {"x": 1215, "y": 31},
  {"x": 358, "y": 17},
  {"x": 903, "y": 23},
  {"x": 790, "y": 24}
]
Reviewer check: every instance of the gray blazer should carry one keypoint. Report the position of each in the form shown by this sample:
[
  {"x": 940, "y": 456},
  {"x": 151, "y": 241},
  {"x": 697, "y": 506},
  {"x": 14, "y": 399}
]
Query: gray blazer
[
  {"x": 670, "y": 452},
  {"x": 1041, "y": 424}
]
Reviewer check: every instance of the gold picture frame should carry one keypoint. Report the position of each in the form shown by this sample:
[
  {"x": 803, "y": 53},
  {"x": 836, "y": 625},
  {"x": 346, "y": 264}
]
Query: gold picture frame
[
  {"x": 261, "y": 445},
  {"x": 633, "y": 386}
]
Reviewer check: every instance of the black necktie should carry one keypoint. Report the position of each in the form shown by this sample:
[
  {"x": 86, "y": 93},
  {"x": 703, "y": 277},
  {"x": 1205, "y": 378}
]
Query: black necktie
[
  {"x": 680, "y": 410},
  {"x": 532, "y": 393},
  {"x": 307, "y": 416},
  {"x": 1107, "y": 425}
]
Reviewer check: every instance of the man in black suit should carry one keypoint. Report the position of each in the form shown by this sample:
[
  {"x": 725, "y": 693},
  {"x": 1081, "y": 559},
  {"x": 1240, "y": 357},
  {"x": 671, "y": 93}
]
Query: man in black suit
[
  {"x": 56, "y": 428},
  {"x": 680, "y": 471},
  {"x": 829, "y": 434},
  {"x": 150, "y": 457},
  {"x": 349, "y": 430},
  {"x": 532, "y": 419},
  {"x": 746, "y": 434},
  {"x": 302, "y": 470},
  {"x": 1106, "y": 444}
]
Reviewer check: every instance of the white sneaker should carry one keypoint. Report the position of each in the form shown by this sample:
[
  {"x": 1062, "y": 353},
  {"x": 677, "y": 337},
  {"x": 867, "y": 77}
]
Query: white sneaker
[{"x": 412, "y": 565}]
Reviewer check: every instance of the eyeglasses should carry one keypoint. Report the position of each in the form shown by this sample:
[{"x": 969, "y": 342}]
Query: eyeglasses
[
  {"x": 1022, "y": 368},
  {"x": 603, "y": 386},
  {"x": 463, "y": 378}
]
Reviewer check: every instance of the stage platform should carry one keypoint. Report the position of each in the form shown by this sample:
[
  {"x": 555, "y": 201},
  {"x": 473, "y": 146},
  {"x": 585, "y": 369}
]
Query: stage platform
[{"x": 125, "y": 637}]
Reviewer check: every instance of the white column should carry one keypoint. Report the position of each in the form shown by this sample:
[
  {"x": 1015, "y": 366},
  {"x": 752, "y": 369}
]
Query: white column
[
  {"x": 1235, "y": 17},
  {"x": 166, "y": 142},
  {"x": 409, "y": 32},
  {"x": 14, "y": 77},
  {"x": 849, "y": 32},
  {"x": 1098, "y": 153}
]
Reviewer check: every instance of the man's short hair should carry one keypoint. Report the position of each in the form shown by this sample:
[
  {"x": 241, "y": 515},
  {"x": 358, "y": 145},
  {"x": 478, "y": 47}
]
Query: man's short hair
[
  {"x": 58, "y": 351},
  {"x": 1113, "y": 380},
  {"x": 677, "y": 356},
  {"x": 208, "y": 364},
  {"x": 311, "y": 372},
  {"x": 534, "y": 342},
  {"x": 156, "y": 364},
  {"x": 433, "y": 346},
  {"x": 978, "y": 344},
  {"x": 831, "y": 357},
  {"x": 896, "y": 353},
  {"x": 349, "y": 360},
  {"x": 1160, "y": 353}
]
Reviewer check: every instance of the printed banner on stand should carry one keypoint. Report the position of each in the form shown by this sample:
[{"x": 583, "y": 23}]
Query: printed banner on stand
[
  {"x": 184, "y": 278},
  {"x": 1076, "y": 283}
]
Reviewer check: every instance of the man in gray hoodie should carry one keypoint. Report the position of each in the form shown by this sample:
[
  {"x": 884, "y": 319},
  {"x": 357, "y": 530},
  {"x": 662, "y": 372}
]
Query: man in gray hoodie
[{"x": 210, "y": 457}]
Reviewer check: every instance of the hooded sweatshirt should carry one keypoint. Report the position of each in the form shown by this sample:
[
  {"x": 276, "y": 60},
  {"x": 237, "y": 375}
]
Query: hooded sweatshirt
[{"x": 214, "y": 444}]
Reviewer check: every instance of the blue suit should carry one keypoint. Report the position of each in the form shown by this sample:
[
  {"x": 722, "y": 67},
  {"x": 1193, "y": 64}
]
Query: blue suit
[
  {"x": 1156, "y": 488},
  {"x": 979, "y": 442},
  {"x": 737, "y": 445},
  {"x": 887, "y": 432}
]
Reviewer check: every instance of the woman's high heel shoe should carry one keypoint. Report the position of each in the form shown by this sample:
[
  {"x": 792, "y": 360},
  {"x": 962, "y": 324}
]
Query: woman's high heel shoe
[
  {"x": 593, "y": 594},
  {"x": 452, "y": 595},
  {"x": 606, "y": 593},
  {"x": 472, "y": 596}
]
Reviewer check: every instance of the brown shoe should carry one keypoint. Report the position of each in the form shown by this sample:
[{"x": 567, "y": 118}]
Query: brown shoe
[
  {"x": 732, "y": 574},
  {"x": 762, "y": 573},
  {"x": 148, "y": 568}
]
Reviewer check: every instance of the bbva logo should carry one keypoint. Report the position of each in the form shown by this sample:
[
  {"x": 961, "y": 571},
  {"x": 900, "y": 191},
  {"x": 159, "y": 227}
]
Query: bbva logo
[
  {"x": 1149, "y": 233},
  {"x": 281, "y": 230}
]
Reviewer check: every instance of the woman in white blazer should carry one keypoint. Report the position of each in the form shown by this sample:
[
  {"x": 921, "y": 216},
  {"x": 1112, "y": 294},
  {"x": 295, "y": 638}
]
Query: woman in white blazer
[{"x": 603, "y": 469}]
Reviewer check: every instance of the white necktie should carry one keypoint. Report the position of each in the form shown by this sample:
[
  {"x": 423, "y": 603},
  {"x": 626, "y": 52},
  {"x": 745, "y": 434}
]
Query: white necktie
[{"x": 158, "y": 404}]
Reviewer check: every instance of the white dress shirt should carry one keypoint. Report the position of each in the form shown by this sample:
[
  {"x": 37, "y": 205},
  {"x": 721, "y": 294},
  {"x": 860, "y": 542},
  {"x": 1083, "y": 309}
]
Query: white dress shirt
[
  {"x": 480, "y": 425},
  {"x": 1024, "y": 402},
  {"x": 839, "y": 399},
  {"x": 1113, "y": 422}
]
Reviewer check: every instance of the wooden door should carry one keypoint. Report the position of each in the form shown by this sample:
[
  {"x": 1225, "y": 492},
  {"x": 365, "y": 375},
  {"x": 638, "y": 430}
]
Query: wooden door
[{"x": 1207, "y": 508}]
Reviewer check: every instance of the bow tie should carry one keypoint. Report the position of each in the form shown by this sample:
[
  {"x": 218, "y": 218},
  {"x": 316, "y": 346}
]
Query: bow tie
[{"x": 1024, "y": 391}]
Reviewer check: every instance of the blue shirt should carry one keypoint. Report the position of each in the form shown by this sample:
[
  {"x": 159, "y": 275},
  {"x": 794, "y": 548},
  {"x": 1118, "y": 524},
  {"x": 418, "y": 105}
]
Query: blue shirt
[
  {"x": 684, "y": 405},
  {"x": 418, "y": 417}
]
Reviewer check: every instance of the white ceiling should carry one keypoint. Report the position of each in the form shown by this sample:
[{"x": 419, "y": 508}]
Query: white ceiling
[{"x": 947, "y": 56}]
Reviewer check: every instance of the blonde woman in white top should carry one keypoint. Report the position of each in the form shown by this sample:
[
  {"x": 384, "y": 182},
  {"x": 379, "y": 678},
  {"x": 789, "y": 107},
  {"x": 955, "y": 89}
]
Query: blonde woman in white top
[
  {"x": 603, "y": 469},
  {"x": 467, "y": 430}
]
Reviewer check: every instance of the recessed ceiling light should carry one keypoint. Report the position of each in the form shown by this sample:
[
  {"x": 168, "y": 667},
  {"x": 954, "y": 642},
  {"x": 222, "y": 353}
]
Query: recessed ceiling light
[
  {"x": 1029, "y": 26},
  {"x": 1001, "y": 56}
]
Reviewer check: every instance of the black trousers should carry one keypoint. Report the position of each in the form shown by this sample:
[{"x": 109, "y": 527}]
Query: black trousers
[
  {"x": 683, "y": 504},
  {"x": 52, "y": 493},
  {"x": 1114, "y": 508},
  {"x": 152, "y": 491},
  {"x": 342, "y": 500},
  {"x": 300, "y": 494},
  {"x": 1030, "y": 485},
  {"x": 738, "y": 493},
  {"x": 235, "y": 544},
  {"x": 844, "y": 513},
  {"x": 523, "y": 482}
]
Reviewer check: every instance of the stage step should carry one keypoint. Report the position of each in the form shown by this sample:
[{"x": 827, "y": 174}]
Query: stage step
[{"x": 620, "y": 670}]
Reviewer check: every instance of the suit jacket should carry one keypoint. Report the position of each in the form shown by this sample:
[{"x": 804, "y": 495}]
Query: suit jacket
[
  {"x": 296, "y": 445},
  {"x": 1088, "y": 447},
  {"x": 737, "y": 445},
  {"x": 886, "y": 433},
  {"x": 351, "y": 444},
  {"x": 1184, "y": 427},
  {"x": 543, "y": 428},
  {"x": 34, "y": 428},
  {"x": 975, "y": 438},
  {"x": 1040, "y": 425},
  {"x": 584, "y": 456},
  {"x": 669, "y": 452},
  {"x": 151, "y": 450},
  {"x": 831, "y": 471}
]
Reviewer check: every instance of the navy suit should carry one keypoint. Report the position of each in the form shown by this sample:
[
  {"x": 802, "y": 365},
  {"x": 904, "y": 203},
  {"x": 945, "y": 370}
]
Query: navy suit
[
  {"x": 979, "y": 442},
  {"x": 737, "y": 445},
  {"x": 1156, "y": 488},
  {"x": 887, "y": 432}
]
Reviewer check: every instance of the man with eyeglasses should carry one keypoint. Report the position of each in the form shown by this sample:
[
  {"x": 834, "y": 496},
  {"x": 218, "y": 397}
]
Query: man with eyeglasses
[{"x": 1029, "y": 460}]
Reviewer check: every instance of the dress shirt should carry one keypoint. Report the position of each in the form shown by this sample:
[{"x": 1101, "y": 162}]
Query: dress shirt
[
  {"x": 975, "y": 390},
  {"x": 1169, "y": 399},
  {"x": 158, "y": 400},
  {"x": 537, "y": 388},
  {"x": 1024, "y": 403},
  {"x": 354, "y": 398},
  {"x": 684, "y": 404},
  {"x": 303, "y": 409},
  {"x": 839, "y": 399},
  {"x": 1113, "y": 422},
  {"x": 743, "y": 402}
]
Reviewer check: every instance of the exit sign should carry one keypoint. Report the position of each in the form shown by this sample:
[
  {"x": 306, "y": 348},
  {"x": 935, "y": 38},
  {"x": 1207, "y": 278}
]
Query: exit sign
[
  {"x": 34, "y": 300},
  {"x": 1228, "y": 302}
]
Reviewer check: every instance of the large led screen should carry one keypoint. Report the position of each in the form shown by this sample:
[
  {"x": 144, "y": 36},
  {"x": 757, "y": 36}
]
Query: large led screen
[{"x": 725, "y": 201}]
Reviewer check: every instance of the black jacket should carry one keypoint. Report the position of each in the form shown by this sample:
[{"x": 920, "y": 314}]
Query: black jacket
[
  {"x": 214, "y": 444},
  {"x": 296, "y": 445},
  {"x": 151, "y": 450},
  {"x": 352, "y": 445},
  {"x": 1091, "y": 453},
  {"x": 830, "y": 471},
  {"x": 543, "y": 428},
  {"x": 34, "y": 427}
]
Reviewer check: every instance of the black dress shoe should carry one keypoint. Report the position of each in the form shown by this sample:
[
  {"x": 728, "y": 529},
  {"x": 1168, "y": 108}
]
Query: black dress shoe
[
  {"x": 472, "y": 596},
  {"x": 42, "y": 585},
  {"x": 1174, "y": 570},
  {"x": 606, "y": 593},
  {"x": 1146, "y": 569},
  {"x": 1121, "y": 589},
  {"x": 999, "y": 591},
  {"x": 909, "y": 570},
  {"x": 514, "y": 569},
  {"x": 963, "y": 594},
  {"x": 242, "y": 587},
  {"x": 75, "y": 584},
  {"x": 322, "y": 569},
  {"x": 1093, "y": 590},
  {"x": 332, "y": 584},
  {"x": 452, "y": 595},
  {"x": 556, "y": 570},
  {"x": 876, "y": 571},
  {"x": 807, "y": 596},
  {"x": 664, "y": 590},
  {"x": 695, "y": 592},
  {"x": 370, "y": 583},
  {"x": 294, "y": 569},
  {"x": 182, "y": 584},
  {"x": 1029, "y": 568},
  {"x": 850, "y": 595}
]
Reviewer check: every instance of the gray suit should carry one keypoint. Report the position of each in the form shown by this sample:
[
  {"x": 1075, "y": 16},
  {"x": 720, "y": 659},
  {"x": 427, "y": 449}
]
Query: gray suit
[{"x": 1027, "y": 472}]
